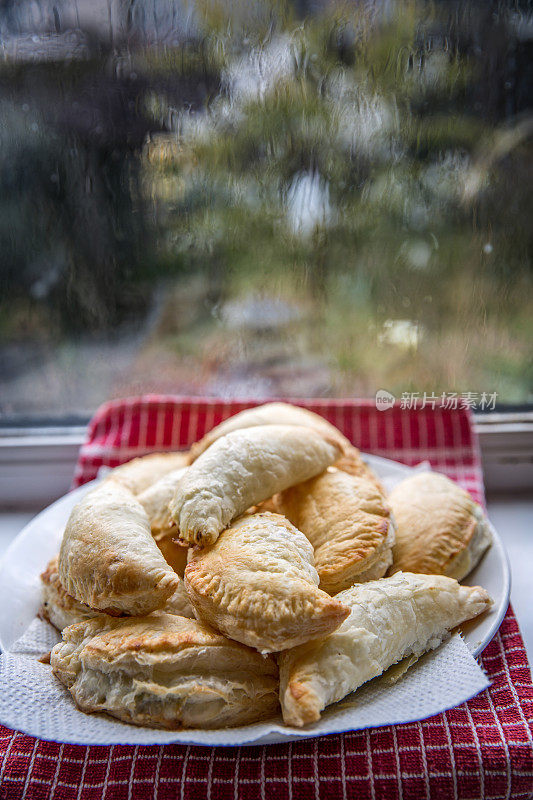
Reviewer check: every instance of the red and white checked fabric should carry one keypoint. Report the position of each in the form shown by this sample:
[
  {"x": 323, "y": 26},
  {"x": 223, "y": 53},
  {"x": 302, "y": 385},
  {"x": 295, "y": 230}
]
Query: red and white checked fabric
[{"x": 481, "y": 749}]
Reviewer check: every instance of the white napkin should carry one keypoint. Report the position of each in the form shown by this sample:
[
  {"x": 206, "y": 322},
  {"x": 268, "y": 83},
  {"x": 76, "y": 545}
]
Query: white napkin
[{"x": 33, "y": 701}]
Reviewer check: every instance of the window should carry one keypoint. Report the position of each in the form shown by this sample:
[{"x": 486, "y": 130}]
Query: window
[{"x": 288, "y": 199}]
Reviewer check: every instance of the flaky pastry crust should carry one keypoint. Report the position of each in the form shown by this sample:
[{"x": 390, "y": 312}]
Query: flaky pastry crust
[
  {"x": 353, "y": 463},
  {"x": 164, "y": 671},
  {"x": 62, "y": 610},
  {"x": 108, "y": 557},
  {"x": 390, "y": 619},
  {"x": 270, "y": 414},
  {"x": 155, "y": 502},
  {"x": 257, "y": 584},
  {"x": 242, "y": 469},
  {"x": 58, "y": 607},
  {"x": 347, "y": 520},
  {"x": 440, "y": 529},
  {"x": 140, "y": 473}
]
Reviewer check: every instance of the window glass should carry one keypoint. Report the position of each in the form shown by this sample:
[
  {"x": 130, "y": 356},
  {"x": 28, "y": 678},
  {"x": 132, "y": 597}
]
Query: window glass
[{"x": 265, "y": 198}]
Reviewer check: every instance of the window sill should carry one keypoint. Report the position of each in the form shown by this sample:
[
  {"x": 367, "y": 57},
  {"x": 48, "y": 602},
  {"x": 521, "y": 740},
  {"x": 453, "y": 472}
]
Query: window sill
[
  {"x": 36, "y": 465},
  {"x": 506, "y": 442}
]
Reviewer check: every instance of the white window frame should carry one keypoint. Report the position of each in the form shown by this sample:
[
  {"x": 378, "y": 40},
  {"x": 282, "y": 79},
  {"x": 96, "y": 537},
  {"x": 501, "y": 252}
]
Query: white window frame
[
  {"x": 506, "y": 442},
  {"x": 37, "y": 464}
]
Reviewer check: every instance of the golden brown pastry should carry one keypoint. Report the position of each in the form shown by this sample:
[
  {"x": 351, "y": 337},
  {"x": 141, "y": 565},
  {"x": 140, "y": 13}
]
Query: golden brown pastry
[
  {"x": 178, "y": 603},
  {"x": 174, "y": 553},
  {"x": 164, "y": 671},
  {"x": 61, "y": 610},
  {"x": 58, "y": 607},
  {"x": 352, "y": 463},
  {"x": 257, "y": 584},
  {"x": 140, "y": 473},
  {"x": 108, "y": 557},
  {"x": 155, "y": 502},
  {"x": 347, "y": 520},
  {"x": 390, "y": 619},
  {"x": 270, "y": 414},
  {"x": 439, "y": 528},
  {"x": 242, "y": 469}
]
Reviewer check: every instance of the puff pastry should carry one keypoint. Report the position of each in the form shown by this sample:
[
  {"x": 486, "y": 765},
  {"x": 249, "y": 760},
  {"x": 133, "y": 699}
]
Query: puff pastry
[
  {"x": 257, "y": 584},
  {"x": 390, "y": 619},
  {"x": 242, "y": 469},
  {"x": 164, "y": 671},
  {"x": 155, "y": 502},
  {"x": 108, "y": 558},
  {"x": 179, "y": 603},
  {"x": 270, "y": 414},
  {"x": 140, "y": 473},
  {"x": 440, "y": 529},
  {"x": 352, "y": 463},
  {"x": 61, "y": 610},
  {"x": 347, "y": 520},
  {"x": 174, "y": 553},
  {"x": 58, "y": 607}
]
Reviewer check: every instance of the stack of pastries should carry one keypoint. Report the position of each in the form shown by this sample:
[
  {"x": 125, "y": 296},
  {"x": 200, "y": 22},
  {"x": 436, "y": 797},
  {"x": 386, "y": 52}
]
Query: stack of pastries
[{"x": 265, "y": 568}]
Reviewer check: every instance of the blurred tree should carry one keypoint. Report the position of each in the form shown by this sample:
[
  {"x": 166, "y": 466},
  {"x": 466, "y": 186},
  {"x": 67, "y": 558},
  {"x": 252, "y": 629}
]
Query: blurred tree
[
  {"x": 75, "y": 232},
  {"x": 361, "y": 153}
]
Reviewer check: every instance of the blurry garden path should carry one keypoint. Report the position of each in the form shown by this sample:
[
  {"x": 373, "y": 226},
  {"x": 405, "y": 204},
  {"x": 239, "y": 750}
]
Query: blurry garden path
[{"x": 186, "y": 345}]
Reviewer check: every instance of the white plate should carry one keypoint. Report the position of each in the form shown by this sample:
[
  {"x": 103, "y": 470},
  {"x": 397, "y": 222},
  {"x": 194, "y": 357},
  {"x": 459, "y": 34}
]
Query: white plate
[{"x": 39, "y": 541}]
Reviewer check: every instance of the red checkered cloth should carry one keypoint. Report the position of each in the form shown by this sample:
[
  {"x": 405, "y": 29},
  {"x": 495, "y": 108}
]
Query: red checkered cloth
[{"x": 482, "y": 749}]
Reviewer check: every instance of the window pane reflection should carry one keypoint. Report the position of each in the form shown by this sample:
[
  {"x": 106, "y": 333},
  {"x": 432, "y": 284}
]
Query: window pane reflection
[{"x": 291, "y": 199}]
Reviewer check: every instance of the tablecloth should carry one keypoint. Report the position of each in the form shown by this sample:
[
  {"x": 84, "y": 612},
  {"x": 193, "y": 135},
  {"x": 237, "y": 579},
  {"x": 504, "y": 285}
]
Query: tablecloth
[{"x": 482, "y": 749}]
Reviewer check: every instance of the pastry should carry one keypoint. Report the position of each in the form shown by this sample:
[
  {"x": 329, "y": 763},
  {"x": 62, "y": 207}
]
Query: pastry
[
  {"x": 352, "y": 463},
  {"x": 108, "y": 557},
  {"x": 174, "y": 553},
  {"x": 61, "y": 610},
  {"x": 155, "y": 502},
  {"x": 242, "y": 469},
  {"x": 58, "y": 607},
  {"x": 439, "y": 528},
  {"x": 164, "y": 671},
  {"x": 178, "y": 603},
  {"x": 140, "y": 473},
  {"x": 257, "y": 584},
  {"x": 270, "y": 414},
  {"x": 347, "y": 520},
  {"x": 390, "y": 618}
]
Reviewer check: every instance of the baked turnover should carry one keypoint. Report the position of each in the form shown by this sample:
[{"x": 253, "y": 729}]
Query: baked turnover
[
  {"x": 390, "y": 619},
  {"x": 166, "y": 672},
  {"x": 348, "y": 522},
  {"x": 257, "y": 584},
  {"x": 241, "y": 470},
  {"x": 108, "y": 557},
  {"x": 439, "y": 528},
  {"x": 270, "y": 414}
]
